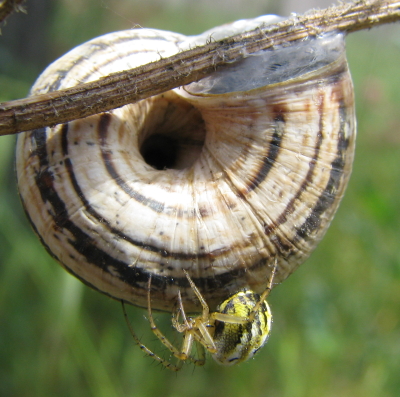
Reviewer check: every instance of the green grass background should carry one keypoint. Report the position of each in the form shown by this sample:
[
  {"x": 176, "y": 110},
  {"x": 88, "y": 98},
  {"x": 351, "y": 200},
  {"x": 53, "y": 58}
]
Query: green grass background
[{"x": 336, "y": 328}]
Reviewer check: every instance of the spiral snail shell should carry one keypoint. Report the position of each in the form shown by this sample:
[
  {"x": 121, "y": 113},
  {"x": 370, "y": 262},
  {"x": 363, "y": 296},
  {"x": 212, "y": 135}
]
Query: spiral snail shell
[{"x": 219, "y": 178}]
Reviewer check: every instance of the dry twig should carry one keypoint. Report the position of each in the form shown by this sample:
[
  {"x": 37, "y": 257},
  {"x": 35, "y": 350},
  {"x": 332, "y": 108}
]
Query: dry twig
[
  {"x": 8, "y": 6},
  {"x": 121, "y": 88}
]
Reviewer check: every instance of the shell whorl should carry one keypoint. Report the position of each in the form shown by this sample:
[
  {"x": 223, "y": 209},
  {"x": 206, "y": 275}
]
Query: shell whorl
[{"x": 252, "y": 164}]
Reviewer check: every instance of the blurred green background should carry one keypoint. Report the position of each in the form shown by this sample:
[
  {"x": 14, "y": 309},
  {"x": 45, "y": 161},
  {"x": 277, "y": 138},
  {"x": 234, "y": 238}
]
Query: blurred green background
[{"x": 336, "y": 328}]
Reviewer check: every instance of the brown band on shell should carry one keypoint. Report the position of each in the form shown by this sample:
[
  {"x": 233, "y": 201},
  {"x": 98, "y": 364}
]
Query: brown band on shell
[{"x": 269, "y": 168}]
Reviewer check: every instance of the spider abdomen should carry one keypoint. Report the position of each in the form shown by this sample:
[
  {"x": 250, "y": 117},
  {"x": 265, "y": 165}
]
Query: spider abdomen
[{"x": 239, "y": 342}]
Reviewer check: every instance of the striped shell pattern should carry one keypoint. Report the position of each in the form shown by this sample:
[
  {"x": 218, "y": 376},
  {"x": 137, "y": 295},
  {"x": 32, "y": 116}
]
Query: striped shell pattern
[{"x": 221, "y": 178}]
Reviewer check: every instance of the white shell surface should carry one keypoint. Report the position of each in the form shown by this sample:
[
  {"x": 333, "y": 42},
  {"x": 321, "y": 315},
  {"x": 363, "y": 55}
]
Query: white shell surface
[{"x": 259, "y": 170}]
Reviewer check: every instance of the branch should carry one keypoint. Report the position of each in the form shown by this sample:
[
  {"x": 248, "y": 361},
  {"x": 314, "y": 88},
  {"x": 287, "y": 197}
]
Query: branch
[
  {"x": 8, "y": 6},
  {"x": 129, "y": 86}
]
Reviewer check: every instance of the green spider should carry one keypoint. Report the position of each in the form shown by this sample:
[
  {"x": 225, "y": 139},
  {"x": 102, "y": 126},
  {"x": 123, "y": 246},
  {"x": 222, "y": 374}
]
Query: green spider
[{"x": 233, "y": 334}]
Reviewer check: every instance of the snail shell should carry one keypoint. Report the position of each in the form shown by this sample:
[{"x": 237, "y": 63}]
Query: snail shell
[{"x": 220, "y": 178}]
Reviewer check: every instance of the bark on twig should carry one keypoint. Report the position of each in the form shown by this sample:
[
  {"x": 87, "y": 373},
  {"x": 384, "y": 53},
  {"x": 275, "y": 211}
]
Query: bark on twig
[
  {"x": 121, "y": 88},
  {"x": 8, "y": 6}
]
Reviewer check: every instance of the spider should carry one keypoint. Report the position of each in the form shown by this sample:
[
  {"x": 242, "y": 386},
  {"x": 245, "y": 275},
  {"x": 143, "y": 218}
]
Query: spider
[{"x": 233, "y": 334}]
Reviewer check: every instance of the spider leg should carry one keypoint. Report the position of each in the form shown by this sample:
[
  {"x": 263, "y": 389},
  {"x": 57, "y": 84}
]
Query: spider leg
[
  {"x": 163, "y": 339},
  {"x": 185, "y": 328},
  {"x": 190, "y": 333},
  {"x": 206, "y": 310},
  {"x": 181, "y": 327},
  {"x": 144, "y": 348},
  {"x": 229, "y": 318},
  {"x": 204, "y": 336},
  {"x": 264, "y": 294},
  {"x": 202, "y": 323},
  {"x": 201, "y": 353}
]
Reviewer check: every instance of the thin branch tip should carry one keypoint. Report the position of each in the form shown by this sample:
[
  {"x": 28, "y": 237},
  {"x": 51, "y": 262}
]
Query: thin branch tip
[{"x": 185, "y": 67}]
